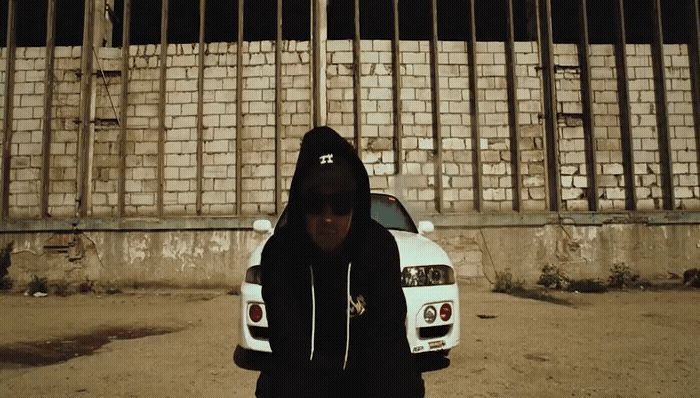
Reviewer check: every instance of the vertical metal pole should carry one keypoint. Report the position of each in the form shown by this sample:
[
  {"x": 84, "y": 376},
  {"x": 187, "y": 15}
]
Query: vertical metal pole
[
  {"x": 200, "y": 106},
  {"x": 9, "y": 104},
  {"x": 623, "y": 96},
  {"x": 239, "y": 109},
  {"x": 85, "y": 105},
  {"x": 123, "y": 107},
  {"x": 278, "y": 110},
  {"x": 357, "y": 76},
  {"x": 694, "y": 54},
  {"x": 513, "y": 111},
  {"x": 48, "y": 103},
  {"x": 584, "y": 54},
  {"x": 550, "y": 105},
  {"x": 437, "y": 124},
  {"x": 657, "y": 57},
  {"x": 474, "y": 108},
  {"x": 161, "y": 103},
  {"x": 396, "y": 68}
]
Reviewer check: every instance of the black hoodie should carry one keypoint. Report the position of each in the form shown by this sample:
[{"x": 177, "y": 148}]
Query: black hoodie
[{"x": 313, "y": 300}]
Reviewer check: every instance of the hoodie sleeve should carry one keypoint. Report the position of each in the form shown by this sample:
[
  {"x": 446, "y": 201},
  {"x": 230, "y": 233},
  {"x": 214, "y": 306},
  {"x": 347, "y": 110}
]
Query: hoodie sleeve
[
  {"x": 288, "y": 373},
  {"x": 396, "y": 373}
]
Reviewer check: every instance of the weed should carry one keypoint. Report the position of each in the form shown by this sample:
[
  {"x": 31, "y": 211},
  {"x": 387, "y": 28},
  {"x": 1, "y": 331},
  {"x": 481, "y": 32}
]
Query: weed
[
  {"x": 60, "y": 288},
  {"x": 622, "y": 276},
  {"x": 86, "y": 286},
  {"x": 37, "y": 285},
  {"x": 553, "y": 278},
  {"x": 587, "y": 286},
  {"x": 505, "y": 283}
]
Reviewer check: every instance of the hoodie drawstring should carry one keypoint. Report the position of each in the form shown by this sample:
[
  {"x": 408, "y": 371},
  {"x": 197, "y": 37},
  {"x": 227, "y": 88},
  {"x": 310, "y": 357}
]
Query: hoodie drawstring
[
  {"x": 313, "y": 314},
  {"x": 347, "y": 323}
]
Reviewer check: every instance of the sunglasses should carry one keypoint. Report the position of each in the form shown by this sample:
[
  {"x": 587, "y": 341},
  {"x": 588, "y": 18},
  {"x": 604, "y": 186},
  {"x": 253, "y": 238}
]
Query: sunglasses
[{"x": 341, "y": 203}]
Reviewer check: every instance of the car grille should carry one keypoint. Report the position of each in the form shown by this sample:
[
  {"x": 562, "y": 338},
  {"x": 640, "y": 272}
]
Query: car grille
[
  {"x": 432, "y": 332},
  {"x": 259, "y": 332}
]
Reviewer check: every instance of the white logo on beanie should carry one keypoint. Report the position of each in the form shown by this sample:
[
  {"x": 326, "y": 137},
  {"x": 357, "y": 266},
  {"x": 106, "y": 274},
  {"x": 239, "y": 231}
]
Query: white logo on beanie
[{"x": 326, "y": 158}]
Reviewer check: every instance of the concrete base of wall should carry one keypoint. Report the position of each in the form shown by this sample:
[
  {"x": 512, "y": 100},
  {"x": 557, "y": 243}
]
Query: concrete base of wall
[{"x": 219, "y": 258}]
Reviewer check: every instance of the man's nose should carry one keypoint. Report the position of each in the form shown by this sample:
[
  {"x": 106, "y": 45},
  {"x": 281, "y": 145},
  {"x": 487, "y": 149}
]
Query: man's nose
[{"x": 327, "y": 212}]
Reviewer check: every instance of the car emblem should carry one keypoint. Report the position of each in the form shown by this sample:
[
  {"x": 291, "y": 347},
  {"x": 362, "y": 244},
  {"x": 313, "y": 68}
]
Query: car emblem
[
  {"x": 326, "y": 159},
  {"x": 357, "y": 306}
]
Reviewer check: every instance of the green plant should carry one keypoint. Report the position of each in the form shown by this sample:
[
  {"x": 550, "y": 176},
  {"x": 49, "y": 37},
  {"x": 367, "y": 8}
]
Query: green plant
[
  {"x": 553, "y": 278},
  {"x": 37, "y": 285},
  {"x": 587, "y": 286},
  {"x": 505, "y": 283},
  {"x": 622, "y": 276},
  {"x": 5, "y": 263}
]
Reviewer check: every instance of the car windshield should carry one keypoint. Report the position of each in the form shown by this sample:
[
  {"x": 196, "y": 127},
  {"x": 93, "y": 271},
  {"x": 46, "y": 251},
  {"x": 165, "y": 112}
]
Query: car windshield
[{"x": 386, "y": 210}]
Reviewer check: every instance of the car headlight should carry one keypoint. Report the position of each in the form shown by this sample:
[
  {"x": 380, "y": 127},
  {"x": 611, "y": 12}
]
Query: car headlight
[
  {"x": 254, "y": 275},
  {"x": 427, "y": 275}
]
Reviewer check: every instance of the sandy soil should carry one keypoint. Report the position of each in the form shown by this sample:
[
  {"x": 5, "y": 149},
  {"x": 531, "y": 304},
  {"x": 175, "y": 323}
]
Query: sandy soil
[{"x": 618, "y": 344}]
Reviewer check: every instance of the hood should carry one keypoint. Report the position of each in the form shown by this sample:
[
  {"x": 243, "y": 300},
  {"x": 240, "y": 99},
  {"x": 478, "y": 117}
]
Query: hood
[
  {"x": 416, "y": 249},
  {"x": 319, "y": 146}
]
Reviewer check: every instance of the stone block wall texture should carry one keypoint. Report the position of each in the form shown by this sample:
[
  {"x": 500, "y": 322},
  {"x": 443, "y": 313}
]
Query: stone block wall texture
[
  {"x": 105, "y": 166},
  {"x": 572, "y": 155},
  {"x": 682, "y": 135},
  {"x": 532, "y": 159},
  {"x": 497, "y": 189},
  {"x": 296, "y": 109},
  {"x": 606, "y": 128},
  {"x": 645, "y": 144},
  {"x": 219, "y": 129},
  {"x": 457, "y": 169},
  {"x": 141, "y": 185},
  {"x": 415, "y": 184}
]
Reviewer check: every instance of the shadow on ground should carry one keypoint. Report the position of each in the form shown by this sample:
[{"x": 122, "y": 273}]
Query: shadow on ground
[{"x": 43, "y": 353}]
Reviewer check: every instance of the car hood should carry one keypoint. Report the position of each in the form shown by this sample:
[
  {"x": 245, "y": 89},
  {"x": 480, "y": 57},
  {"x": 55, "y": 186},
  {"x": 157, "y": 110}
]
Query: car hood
[{"x": 414, "y": 249}]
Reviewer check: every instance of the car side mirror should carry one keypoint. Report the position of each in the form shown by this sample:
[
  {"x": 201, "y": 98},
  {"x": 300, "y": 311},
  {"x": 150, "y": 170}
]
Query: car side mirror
[
  {"x": 262, "y": 226},
  {"x": 425, "y": 227}
]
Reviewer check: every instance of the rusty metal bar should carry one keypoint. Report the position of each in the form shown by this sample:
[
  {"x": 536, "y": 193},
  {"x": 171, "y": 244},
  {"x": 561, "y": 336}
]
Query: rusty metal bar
[
  {"x": 550, "y": 105},
  {"x": 316, "y": 66},
  {"x": 86, "y": 68},
  {"x": 584, "y": 55},
  {"x": 513, "y": 111},
  {"x": 9, "y": 92},
  {"x": 123, "y": 107},
  {"x": 200, "y": 106},
  {"x": 48, "y": 102},
  {"x": 239, "y": 109},
  {"x": 694, "y": 54},
  {"x": 623, "y": 99},
  {"x": 278, "y": 111},
  {"x": 474, "y": 109},
  {"x": 437, "y": 124},
  {"x": 657, "y": 57},
  {"x": 396, "y": 72},
  {"x": 357, "y": 78},
  {"x": 163, "y": 59}
]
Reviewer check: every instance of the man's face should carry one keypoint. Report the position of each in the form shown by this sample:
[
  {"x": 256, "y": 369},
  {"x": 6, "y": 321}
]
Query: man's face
[{"x": 328, "y": 217}]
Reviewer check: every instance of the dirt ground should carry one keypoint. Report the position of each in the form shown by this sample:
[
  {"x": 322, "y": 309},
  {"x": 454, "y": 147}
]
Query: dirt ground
[{"x": 180, "y": 343}]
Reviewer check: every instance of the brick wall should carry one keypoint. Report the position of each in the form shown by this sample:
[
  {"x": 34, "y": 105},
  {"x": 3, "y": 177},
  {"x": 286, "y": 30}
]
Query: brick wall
[
  {"x": 416, "y": 184},
  {"x": 681, "y": 132},
  {"x": 105, "y": 167},
  {"x": 219, "y": 129},
  {"x": 532, "y": 165},
  {"x": 141, "y": 185},
  {"x": 458, "y": 181},
  {"x": 25, "y": 149},
  {"x": 606, "y": 130}
]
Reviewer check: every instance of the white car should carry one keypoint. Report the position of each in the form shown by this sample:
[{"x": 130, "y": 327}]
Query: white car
[{"x": 428, "y": 280}]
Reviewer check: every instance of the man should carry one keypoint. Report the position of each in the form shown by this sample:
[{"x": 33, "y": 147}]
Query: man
[{"x": 331, "y": 283}]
